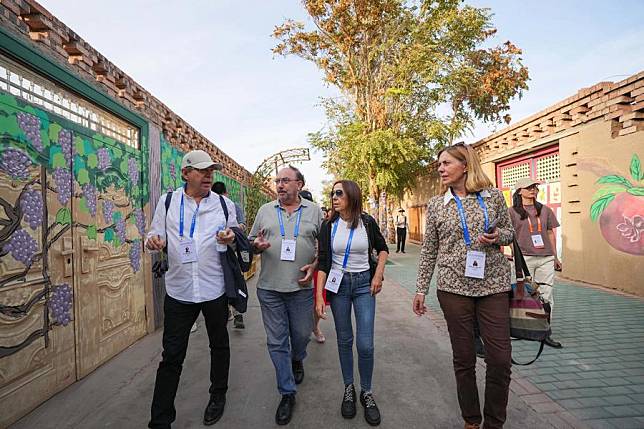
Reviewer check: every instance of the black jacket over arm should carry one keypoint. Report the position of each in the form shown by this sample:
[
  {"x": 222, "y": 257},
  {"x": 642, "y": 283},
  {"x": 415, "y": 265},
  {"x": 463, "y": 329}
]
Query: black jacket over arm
[{"x": 376, "y": 242}]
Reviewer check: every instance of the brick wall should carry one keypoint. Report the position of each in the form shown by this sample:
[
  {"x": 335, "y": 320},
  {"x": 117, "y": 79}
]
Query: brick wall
[{"x": 47, "y": 34}]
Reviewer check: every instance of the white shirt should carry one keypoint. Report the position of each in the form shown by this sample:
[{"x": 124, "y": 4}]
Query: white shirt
[
  {"x": 359, "y": 252},
  {"x": 202, "y": 280}
]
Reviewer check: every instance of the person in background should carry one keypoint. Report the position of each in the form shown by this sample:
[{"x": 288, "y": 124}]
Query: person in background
[
  {"x": 465, "y": 227},
  {"x": 285, "y": 234},
  {"x": 190, "y": 227},
  {"x": 401, "y": 230},
  {"x": 220, "y": 189},
  {"x": 352, "y": 279},
  {"x": 535, "y": 225}
]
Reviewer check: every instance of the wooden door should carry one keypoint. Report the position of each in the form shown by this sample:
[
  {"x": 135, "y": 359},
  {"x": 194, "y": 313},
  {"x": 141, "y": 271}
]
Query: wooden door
[{"x": 108, "y": 281}]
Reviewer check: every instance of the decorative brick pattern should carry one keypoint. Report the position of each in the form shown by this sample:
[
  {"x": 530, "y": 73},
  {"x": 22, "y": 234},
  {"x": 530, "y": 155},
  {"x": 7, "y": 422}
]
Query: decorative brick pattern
[{"x": 30, "y": 20}]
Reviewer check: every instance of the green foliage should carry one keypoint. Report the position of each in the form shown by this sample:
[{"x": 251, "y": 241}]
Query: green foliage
[
  {"x": 613, "y": 178},
  {"x": 636, "y": 170},
  {"x": 598, "y": 206},
  {"x": 64, "y": 216},
  {"x": 91, "y": 232}
]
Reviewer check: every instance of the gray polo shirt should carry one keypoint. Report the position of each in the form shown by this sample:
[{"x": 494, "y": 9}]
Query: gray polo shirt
[{"x": 278, "y": 275}]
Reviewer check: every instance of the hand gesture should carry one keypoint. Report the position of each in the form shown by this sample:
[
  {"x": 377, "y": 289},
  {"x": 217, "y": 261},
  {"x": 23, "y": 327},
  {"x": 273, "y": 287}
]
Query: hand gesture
[
  {"x": 308, "y": 269},
  {"x": 260, "y": 242},
  {"x": 489, "y": 238},
  {"x": 155, "y": 243},
  {"x": 226, "y": 236},
  {"x": 419, "y": 304}
]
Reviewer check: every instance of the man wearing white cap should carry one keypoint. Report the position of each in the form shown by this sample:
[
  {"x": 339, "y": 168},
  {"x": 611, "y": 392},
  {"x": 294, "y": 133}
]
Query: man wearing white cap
[{"x": 192, "y": 227}]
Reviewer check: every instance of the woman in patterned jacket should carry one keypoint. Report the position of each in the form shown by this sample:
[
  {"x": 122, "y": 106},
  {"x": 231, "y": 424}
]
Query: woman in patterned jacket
[{"x": 465, "y": 226}]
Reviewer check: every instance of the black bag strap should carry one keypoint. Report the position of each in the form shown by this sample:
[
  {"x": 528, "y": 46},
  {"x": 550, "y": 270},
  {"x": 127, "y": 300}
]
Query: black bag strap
[
  {"x": 533, "y": 360},
  {"x": 224, "y": 207},
  {"x": 168, "y": 200},
  {"x": 520, "y": 264}
]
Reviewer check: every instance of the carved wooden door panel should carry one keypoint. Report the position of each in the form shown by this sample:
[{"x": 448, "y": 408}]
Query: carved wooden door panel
[
  {"x": 108, "y": 281},
  {"x": 37, "y": 343}
]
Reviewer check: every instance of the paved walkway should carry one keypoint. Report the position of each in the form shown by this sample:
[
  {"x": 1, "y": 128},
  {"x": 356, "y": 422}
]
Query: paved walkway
[
  {"x": 413, "y": 380},
  {"x": 598, "y": 377}
]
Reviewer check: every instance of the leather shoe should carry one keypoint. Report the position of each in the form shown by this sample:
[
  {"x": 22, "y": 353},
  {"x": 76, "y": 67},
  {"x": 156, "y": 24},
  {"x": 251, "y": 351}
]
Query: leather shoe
[
  {"x": 552, "y": 343},
  {"x": 298, "y": 371},
  {"x": 285, "y": 409},
  {"x": 214, "y": 409}
]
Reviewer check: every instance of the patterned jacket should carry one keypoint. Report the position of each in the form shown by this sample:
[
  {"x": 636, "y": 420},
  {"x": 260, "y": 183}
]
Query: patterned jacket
[{"x": 444, "y": 245}]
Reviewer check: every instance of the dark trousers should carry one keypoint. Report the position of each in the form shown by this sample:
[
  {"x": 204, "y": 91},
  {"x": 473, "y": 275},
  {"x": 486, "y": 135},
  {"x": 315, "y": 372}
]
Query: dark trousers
[
  {"x": 401, "y": 234},
  {"x": 179, "y": 318},
  {"x": 492, "y": 313}
]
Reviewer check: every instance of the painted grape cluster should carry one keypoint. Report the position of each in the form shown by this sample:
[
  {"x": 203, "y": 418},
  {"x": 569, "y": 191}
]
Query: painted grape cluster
[
  {"x": 22, "y": 246},
  {"x": 31, "y": 205},
  {"x": 135, "y": 255},
  {"x": 30, "y": 124},
  {"x": 140, "y": 220},
  {"x": 89, "y": 192},
  {"x": 60, "y": 304},
  {"x": 15, "y": 163},
  {"x": 65, "y": 141},
  {"x": 133, "y": 170},
  {"x": 120, "y": 229},
  {"x": 104, "y": 160},
  {"x": 63, "y": 179},
  {"x": 108, "y": 209}
]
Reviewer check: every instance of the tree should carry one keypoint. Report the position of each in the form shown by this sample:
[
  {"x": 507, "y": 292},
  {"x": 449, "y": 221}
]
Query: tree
[{"x": 398, "y": 65}]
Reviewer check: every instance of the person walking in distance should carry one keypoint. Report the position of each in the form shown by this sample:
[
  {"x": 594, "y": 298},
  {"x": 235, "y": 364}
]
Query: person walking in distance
[
  {"x": 465, "y": 227},
  {"x": 219, "y": 188},
  {"x": 194, "y": 283},
  {"x": 535, "y": 225},
  {"x": 401, "y": 231},
  {"x": 285, "y": 234}
]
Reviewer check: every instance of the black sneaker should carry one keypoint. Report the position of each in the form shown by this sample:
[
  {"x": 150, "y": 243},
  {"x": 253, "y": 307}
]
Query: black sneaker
[
  {"x": 239, "y": 322},
  {"x": 348, "y": 407},
  {"x": 285, "y": 409},
  {"x": 552, "y": 343},
  {"x": 214, "y": 409},
  {"x": 298, "y": 371},
  {"x": 371, "y": 412}
]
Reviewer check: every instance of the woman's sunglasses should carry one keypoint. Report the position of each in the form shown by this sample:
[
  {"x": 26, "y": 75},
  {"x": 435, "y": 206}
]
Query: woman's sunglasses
[{"x": 337, "y": 193}]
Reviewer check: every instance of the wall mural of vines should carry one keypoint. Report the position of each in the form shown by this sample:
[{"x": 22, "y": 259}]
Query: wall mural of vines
[{"x": 43, "y": 155}]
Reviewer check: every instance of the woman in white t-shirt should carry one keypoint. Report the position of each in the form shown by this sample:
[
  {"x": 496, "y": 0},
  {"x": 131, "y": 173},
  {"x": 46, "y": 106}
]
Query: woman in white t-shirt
[{"x": 352, "y": 278}]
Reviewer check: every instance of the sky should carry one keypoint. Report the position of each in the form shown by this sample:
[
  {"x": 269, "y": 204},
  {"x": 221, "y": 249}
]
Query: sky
[{"x": 210, "y": 61}]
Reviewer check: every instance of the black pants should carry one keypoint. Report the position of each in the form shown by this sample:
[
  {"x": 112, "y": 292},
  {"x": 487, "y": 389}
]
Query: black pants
[
  {"x": 402, "y": 235},
  {"x": 179, "y": 318}
]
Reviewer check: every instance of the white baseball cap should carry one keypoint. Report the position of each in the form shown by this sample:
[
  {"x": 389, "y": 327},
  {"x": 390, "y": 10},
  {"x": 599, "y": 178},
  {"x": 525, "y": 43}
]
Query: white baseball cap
[
  {"x": 525, "y": 182},
  {"x": 199, "y": 159}
]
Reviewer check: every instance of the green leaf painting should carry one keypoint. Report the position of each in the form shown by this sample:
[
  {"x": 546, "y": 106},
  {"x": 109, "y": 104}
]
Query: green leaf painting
[
  {"x": 636, "y": 169},
  {"x": 108, "y": 235},
  {"x": 615, "y": 179},
  {"x": 91, "y": 232},
  {"x": 614, "y": 185},
  {"x": 64, "y": 216},
  {"x": 598, "y": 206}
]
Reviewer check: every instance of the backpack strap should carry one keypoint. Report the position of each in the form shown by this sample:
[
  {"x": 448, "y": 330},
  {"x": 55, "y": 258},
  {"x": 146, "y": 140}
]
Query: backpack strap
[{"x": 224, "y": 207}]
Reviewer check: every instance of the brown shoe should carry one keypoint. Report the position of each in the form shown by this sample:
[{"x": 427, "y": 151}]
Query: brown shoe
[{"x": 472, "y": 426}]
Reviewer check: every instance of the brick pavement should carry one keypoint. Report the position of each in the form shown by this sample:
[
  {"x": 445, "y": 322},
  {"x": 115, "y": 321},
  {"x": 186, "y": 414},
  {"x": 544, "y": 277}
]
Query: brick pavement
[{"x": 597, "y": 379}]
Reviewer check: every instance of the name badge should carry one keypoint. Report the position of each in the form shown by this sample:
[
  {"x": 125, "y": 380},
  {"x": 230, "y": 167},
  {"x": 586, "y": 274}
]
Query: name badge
[
  {"x": 288, "y": 250},
  {"x": 333, "y": 280},
  {"x": 537, "y": 241},
  {"x": 187, "y": 251},
  {"x": 475, "y": 264}
]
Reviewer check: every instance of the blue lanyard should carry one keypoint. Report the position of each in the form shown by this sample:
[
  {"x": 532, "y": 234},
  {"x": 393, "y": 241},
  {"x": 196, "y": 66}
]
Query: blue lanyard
[
  {"x": 461, "y": 213},
  {"x": 347, "y": 250},
  {"x": 192, "y": 224},
  {"x": 297, "y": 222}
]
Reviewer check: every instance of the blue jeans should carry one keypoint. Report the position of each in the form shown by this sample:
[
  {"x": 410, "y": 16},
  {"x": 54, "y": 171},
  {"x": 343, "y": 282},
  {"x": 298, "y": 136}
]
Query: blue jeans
[
  {"x": 287, "y": 316},
  {"x": 355, "y": 289}
]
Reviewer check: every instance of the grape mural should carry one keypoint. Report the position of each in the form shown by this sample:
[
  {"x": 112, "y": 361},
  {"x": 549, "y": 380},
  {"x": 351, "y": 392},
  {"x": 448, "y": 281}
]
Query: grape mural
[{"x": 45, "y": 160}]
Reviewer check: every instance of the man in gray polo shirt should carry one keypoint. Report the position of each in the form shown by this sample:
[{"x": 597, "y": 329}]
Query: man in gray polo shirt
[{"x": 285, "y": 233}]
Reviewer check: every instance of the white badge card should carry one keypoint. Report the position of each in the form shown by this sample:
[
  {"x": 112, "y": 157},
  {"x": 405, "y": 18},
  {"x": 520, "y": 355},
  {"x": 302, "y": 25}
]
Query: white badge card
[
  {"x": 333, "y": 280},
  {"x": 537, "y": 241},
  {"x": 187, "y": 251},
  {"x": 475, "y": 264},
  {"x": 288, "y": 250}
]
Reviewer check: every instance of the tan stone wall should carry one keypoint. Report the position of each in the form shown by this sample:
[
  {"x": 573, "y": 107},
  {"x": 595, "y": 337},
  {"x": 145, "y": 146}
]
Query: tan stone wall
[{"x": 587, "y": 256}]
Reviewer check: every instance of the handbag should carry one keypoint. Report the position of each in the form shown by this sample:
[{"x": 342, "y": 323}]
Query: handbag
[{"x": 528, "y": 318}]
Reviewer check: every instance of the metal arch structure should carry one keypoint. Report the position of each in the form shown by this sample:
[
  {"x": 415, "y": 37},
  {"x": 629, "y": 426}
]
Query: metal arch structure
[{"x": 274, "y": 162}]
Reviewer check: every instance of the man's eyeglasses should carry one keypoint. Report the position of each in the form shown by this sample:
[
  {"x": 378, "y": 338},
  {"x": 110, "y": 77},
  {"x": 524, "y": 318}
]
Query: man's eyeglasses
[
  {"x": 284, "y": 181},
  {"x": 337, "y": 193},
  {"x": 533, "y": 188}
]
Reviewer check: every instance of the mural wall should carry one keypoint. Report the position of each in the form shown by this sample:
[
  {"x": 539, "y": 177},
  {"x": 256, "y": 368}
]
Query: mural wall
[{"x": 71, "y": 228}]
